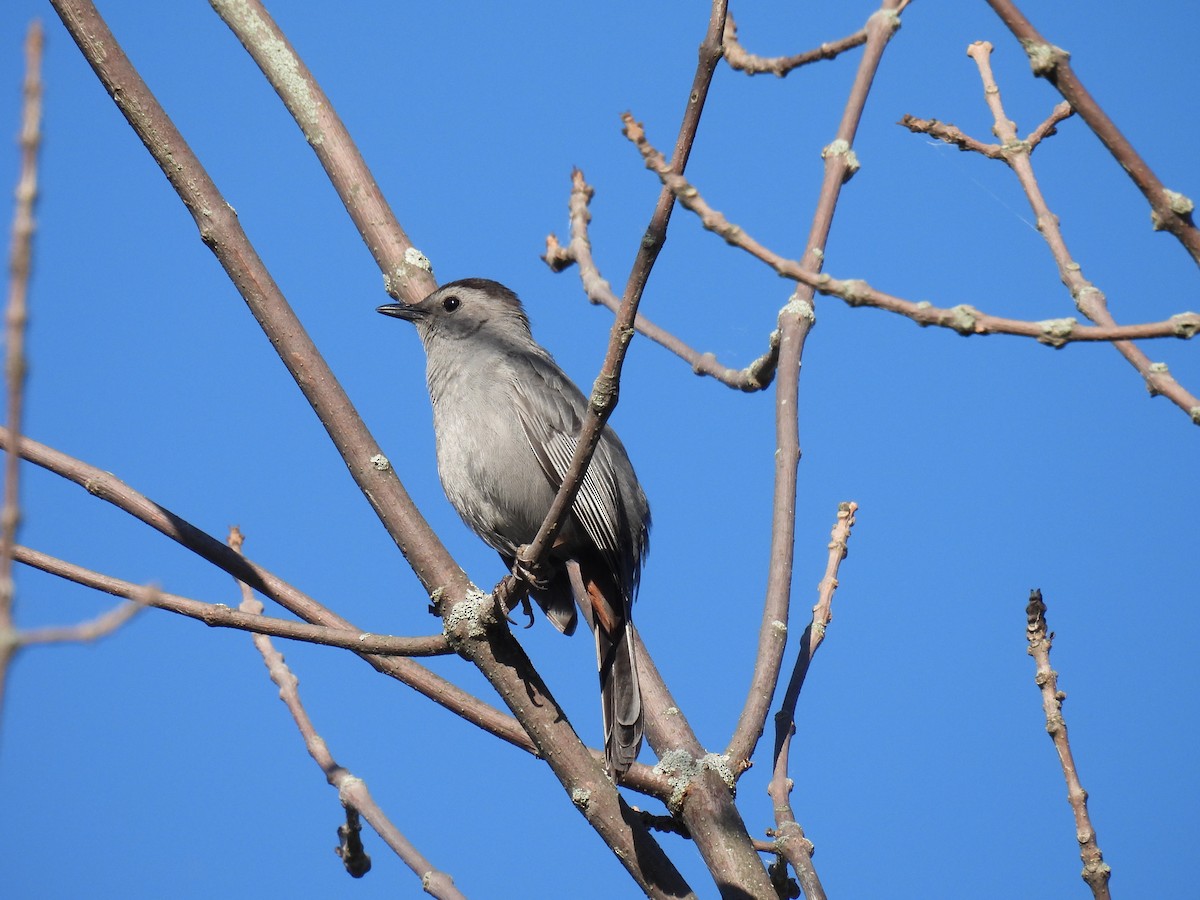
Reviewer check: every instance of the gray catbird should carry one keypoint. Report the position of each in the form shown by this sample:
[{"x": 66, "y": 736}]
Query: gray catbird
[{"x": 505, "y": 417}]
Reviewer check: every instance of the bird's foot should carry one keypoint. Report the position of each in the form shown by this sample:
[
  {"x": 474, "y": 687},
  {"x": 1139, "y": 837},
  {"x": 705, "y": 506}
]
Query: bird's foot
[
  {"x": 533, "y": 572},
  {"x": 508, "y": 593}
]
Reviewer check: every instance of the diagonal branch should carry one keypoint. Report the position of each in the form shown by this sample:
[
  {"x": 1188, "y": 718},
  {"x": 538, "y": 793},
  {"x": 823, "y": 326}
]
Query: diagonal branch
[
  {"x": 218, "y": 615},
  {"x": 755, "y": 377},
  {"x": 605, "y": 391},
  {"x": 222, "y": 233},
  {"x": 407, "y": 275},
  {"x": 743, "y": 61},
  {"x": 83, "y": 632},
  {"x": 706, "y": 806},
  {"x": 111, "y": 489},
  {"x": 1089, "y": 299},
  {"x": 709, "y": 812},
  {"x": 795, "y": 322},
  {"x": 472, "y": 629},
  {"x": 1169, "y": 210},
  {"x": 965, "y": 319},
  {"x": 789, "y": 836},
  {"x": 352, "y": 791}
]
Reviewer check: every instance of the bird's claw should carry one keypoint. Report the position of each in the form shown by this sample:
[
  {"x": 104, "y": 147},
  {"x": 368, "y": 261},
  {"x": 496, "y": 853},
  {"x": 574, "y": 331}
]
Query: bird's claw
[
  {"x": 506, "y": 598},
  {"x": 533, "y": 573}
]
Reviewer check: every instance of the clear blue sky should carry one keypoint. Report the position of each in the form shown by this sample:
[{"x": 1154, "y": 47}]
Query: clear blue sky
[{"x": 159, "y": 763}]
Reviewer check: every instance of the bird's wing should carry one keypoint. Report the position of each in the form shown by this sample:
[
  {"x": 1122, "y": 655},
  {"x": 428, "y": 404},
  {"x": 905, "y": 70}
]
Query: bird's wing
[{"x": 551, "y": 434}]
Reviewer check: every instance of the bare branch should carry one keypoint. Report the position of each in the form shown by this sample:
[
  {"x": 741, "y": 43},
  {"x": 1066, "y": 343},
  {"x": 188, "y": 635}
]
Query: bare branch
[
  {"x": 218, "y": 615},
  {"x": 84, "y": 632},
  {"x": 222, "y": 233},
  {"x": 352, "y": 791},
  {"x": 407, "y": 275},
  {"x": 795, "y": 322},
  {"x": 965, "y": 319},
  {"x": 755, "y": 377},
  {"x": 738, "y": 58},
  {"x": 20, "y": 263},
  {"x": 471, "y": 626},
  {"x": 1049, "y": 127},
  {"x": 1095, "y": 870},
  {"x": 606, "y": 389},
  {"x": 113, "y": 490},
  {"x": 640, "y": 777},
  {"x": 1169, "y": 210},
  {"x": 789, "y": 836},
  {"x": 1089, "y": 299},
  {"x": 951, "y": 134},
  {"x": 726, "y": 849}
]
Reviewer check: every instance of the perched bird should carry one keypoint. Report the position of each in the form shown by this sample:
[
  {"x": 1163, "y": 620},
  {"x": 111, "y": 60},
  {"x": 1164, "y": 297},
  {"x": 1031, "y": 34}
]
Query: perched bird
[{"x": 505, "y": 418}]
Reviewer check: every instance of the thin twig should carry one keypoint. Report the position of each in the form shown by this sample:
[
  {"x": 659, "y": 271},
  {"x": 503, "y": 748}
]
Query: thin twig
[
  {"x": 1095, "y": 870},
  {"x": 789, "y": 836},
  {"x": 726, "y": 851},
  {"x": 952, "y": 134},
  {"x": 795, "y": 322},
  {"x": 754, "y": 377},
  {"x": 352, "y": 791},
  {"x": 1089, "y": 299},
  {"x": 1169, "y": 210},
  {"x": 83, "y": 632},
  {"x": 965, "y": 319},
  {"x": 20, "y": 263},
  {"x": 738, "y": 58},
  {"x": 218, "y": 615},
  {"x": 1049, "y": 127},
  {"x": 605, "y": 390}
]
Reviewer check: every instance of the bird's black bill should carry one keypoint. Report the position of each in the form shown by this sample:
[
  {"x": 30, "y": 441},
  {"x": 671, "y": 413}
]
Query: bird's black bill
[{"x": 401, "y": 311}]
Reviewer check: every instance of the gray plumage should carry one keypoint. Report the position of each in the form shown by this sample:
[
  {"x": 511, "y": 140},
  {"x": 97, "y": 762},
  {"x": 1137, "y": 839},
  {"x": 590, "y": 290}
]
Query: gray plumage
[{"x": 505, "y": 417}]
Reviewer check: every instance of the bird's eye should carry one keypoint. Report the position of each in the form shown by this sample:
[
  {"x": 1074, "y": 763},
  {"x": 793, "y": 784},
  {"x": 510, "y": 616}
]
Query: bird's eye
[{"x": 451, "y": 303}]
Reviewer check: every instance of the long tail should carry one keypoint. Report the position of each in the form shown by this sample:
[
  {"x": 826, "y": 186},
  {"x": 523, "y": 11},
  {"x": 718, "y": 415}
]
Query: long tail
[{"x": 620, "y": 693}]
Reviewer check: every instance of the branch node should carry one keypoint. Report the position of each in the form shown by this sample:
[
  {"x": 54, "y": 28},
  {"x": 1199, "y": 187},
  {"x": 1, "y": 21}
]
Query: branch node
[
  {"x": 1180, "y": 204},
  {"x": 581, "y": 797},
  {"x": 889, "y": 18},
  {"x": 681, "y": 768},
  {"x": 1056, "y": 332},
  {"x": 557, "y": 257},
  {"x": 856, "y": 292},
  {"x": 963, "y": 318},
  {"x": 1044, "y": 58},
  {"x": 702, "y": 362},
  {"x": 1185, "y": 325},
  {"x": 468, "y": 619},
  {"x": 842, "y": 148}
]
